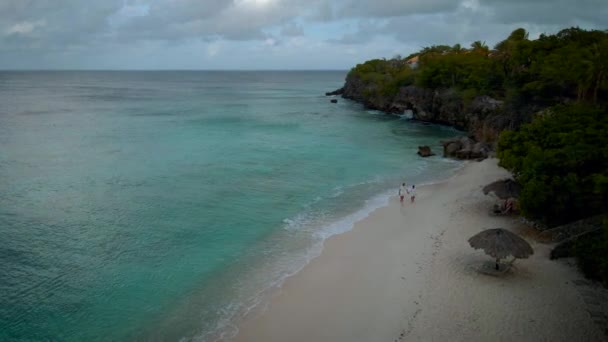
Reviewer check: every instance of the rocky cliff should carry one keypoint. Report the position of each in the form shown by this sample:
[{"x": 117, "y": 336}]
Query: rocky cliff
[{"x": 482, "y": 117}]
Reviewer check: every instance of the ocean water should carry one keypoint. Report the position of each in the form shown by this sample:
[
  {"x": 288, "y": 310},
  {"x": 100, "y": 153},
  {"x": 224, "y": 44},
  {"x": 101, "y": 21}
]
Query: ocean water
[{"x": 164, "y": 205}]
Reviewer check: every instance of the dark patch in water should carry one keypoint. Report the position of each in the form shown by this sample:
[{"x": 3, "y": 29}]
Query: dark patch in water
[
  {"x": 34, "y": 112},
  {"x": 154, "y": 114}
]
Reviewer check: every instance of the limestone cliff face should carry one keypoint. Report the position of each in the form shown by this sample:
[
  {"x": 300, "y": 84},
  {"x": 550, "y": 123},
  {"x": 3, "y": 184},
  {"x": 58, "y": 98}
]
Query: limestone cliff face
[{"x": 482, "y": 117}]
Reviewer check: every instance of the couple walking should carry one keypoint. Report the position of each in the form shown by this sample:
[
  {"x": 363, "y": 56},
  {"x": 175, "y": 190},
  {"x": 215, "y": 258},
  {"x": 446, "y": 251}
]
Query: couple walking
[{"x": 407, "y": 190}]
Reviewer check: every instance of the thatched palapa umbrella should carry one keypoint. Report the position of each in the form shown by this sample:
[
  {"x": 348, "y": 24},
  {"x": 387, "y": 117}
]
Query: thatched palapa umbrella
[
  {"x": 504, "y": 189},
  {"x": 501, "y": 243}
]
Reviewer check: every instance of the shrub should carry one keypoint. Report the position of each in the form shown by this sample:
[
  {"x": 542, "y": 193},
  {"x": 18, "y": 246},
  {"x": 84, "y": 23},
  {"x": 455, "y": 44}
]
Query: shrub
[
  {"x": 561, "y": 161},
  {"x": 592, "y": 255}
]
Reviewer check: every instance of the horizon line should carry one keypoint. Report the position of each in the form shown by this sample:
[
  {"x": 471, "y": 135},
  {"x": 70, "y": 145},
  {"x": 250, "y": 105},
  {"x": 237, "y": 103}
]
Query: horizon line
[{"x": 222, "y": 70}]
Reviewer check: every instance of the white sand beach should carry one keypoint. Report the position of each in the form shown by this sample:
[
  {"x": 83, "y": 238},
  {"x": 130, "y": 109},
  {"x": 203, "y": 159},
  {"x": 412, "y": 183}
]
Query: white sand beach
[{"x": 407, "y": 273}]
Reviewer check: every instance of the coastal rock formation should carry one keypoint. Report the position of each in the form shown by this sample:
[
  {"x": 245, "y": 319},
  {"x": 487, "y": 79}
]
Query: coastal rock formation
[
  {"x": 482, "y": 117},
  {"x": 565, "y": 249},
  {"x": 333, "y": 101},
  {"x": 465, "y": 148},
  {"x": 335, "y": 92},
  {"x": 573, "y": 229},
  {"x": 425, "y": 151},
  {"x": 568, "y": 235}
]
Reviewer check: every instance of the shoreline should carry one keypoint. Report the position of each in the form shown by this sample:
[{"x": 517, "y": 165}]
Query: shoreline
[
  {"x": 392, "y": 275},
  {"x": 342, "y": 224}
]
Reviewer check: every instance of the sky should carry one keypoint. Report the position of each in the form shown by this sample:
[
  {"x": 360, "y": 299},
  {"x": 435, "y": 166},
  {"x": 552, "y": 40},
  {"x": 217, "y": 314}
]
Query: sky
[{"x": 263, "y": 34}]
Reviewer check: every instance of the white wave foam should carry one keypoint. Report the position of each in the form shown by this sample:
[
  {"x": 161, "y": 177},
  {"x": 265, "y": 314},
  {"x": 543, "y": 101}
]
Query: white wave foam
[
  {"x": 346, "y": 223},
  {"x": 408, "y": 114},
  {"x": 299, "y": 221}
]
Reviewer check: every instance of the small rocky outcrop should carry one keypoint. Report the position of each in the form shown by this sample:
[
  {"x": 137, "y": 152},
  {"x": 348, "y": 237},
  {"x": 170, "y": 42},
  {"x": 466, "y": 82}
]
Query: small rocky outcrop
[
  {"x": 425, "y": 151},
  {"x": 333, "y": 101},
  {"x": 572, "y": 229},
  {"x": 568, "y": 235},
  {"x": 565, "y": 249},
  {"x": 485, "y": 105},
  {"x": 335, "y": 92},
  {"x": 465, "y": 148}
]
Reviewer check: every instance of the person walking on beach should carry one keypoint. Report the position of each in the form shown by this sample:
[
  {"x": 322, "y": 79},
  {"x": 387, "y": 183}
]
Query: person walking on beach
[
  {"x": 402, "y": 191},
  {"x": 412, "y": 192}
]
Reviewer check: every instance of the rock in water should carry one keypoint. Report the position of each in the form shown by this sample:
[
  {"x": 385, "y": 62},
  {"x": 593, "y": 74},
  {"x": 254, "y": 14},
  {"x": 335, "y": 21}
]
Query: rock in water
[
  {"x": 333, "y": 101},
  {"x": 425, "y": 151}
]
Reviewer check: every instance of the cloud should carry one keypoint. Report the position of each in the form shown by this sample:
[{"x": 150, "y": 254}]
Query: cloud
[
  {"x": 216, "y": 19},
  {"x": 364, "y": 32},
  {"x": 65, "y": 22},
  {"x": 549, "y": 12},
  {"x": 213, "y": 49},
  {"x": 471, "y": 20},
  {"x": 79, "y": 31},
  {"x": 292, "y": 30},
  {"x": 25, "y": 27},
  {"x": 394, "y": 8},
  {"x": 271, "y": 42}
]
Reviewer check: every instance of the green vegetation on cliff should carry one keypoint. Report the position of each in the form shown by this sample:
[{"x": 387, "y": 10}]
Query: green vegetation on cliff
[
  {"x": 383, "y": 77},
  {"x": 561, "y": 162},
  {"x": 569, "y": 65}
]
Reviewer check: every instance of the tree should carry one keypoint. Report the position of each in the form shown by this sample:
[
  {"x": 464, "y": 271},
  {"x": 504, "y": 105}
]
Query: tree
[
  {"x": 597, "y": 66},
  {"x": 507, "y": 49},
  {"x": 480, "y": 48},
  {"x": 571, "y": 65},
  {"x": 561, "y": 161},
  {"x": 457, "y": 48}
]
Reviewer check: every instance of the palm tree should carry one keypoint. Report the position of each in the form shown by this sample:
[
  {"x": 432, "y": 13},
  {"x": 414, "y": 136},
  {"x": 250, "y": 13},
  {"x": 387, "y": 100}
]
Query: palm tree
[
  {"x": 480, "y": 47},
  {"x": 506, "y": 49},
  {"x": 589, "y": 67},
  {"x": 599, "y": 66}
]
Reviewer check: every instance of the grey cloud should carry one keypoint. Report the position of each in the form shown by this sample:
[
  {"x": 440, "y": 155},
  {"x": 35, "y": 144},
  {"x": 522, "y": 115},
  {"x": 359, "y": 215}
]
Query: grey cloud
[
  {"x": 77, "y": 22},
  {"x": 395, "y": 8},
  {"x": 486, "y": 20},
  {"x": 549, "y": 12},
  {"x": 426, "y": 30},
  {"x": 366, "y": 31},
  {"x": 323, "y": 12},
  {"x": 52, "y": 24},
  {"x": 292, "y": 30},
  {"x": 232, "y": 20},
  {"x": 99, "y": 27}
]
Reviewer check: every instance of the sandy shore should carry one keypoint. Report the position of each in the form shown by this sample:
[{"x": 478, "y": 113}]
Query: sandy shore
[{"x": 407, "y": 273}]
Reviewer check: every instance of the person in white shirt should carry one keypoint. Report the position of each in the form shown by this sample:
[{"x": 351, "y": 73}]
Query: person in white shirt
[
  {"x": 412, "y": 192},
  {"x": 402, "y": 192}
]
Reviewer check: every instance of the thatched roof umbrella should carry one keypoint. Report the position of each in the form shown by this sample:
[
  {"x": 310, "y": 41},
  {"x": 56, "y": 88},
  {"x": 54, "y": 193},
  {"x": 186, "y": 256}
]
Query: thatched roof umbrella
[
  {"x": 501, "y": 243},
  {"x": 504, "y": 189}
]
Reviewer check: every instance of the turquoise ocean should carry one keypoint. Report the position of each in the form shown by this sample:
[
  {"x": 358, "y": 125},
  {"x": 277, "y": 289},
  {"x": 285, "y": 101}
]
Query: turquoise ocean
[{"x": 165, "y": 205}]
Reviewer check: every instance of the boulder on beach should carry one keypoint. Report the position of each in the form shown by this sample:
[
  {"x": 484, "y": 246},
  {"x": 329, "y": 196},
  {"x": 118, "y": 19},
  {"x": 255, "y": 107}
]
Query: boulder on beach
[{"x": 465, "y": 148}]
